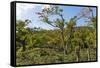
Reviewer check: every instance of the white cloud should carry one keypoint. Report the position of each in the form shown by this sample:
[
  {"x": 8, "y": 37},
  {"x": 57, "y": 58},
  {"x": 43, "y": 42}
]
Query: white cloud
[
  {"x": 46, "y": 6},
  {"x": 23, "y": 8}
]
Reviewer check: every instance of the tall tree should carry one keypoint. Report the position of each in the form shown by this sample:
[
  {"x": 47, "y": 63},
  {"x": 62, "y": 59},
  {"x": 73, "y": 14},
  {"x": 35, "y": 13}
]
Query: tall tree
[
  {"x": 88, "y": 14},
  {"x": 59, "y": 22},
  {"x": 22, "y": 32}
]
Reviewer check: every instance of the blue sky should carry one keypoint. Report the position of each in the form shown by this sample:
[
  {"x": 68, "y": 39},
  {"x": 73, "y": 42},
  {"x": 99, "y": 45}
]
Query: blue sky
[{"x": 28, "y": 11}]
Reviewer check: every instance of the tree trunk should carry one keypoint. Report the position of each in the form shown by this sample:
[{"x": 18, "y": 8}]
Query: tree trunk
[
  {"x": 77, "y": 51},
  {"x": 63, "y": 44},
  {"x": 88, "y": 53},
  {"x": 66, "y": 47},
  {"x": 23, "y": 43}
]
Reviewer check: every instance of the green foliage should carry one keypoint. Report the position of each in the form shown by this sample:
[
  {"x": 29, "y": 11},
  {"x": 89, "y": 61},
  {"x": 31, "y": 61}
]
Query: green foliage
[{"x": 67, "y": 43}]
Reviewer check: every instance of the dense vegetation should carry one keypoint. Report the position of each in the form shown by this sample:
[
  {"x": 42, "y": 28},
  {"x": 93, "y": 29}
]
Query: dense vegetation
[{"x": 66, "y": 43}]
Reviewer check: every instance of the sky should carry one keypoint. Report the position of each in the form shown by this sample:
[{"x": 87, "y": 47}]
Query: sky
[{"x": 29, "y": 10}]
